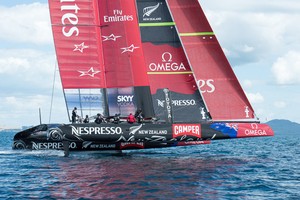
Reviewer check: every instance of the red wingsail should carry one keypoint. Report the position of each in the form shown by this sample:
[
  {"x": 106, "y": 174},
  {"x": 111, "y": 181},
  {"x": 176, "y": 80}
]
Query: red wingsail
[
  {"x": 215, "y": 78},
  {"x": 122, "y": 49},
  {"x": 99, "y": 53},
  {"x": 77, "y": 36}
]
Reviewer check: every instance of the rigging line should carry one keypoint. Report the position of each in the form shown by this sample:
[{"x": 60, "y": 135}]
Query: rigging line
[{"x": 54, "y": 76}]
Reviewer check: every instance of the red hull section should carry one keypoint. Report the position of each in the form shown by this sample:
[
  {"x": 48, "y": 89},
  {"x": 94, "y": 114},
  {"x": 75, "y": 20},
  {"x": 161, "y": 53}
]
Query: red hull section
[{"x": 254, "y": 130}]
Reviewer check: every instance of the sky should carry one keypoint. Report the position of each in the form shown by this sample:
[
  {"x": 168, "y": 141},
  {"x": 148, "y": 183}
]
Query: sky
[{"x": 259, "y": 37}]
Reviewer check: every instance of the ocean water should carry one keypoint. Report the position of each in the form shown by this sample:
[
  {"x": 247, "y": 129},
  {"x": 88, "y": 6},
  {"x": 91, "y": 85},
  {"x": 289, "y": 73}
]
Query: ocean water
[{"x": 252, "y": 168}]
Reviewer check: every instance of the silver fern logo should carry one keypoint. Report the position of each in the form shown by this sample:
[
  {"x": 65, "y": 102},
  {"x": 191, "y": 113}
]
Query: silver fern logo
[{"x": 149, "y": 10}]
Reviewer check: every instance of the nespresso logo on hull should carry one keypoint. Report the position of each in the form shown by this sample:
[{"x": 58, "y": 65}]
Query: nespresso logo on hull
[{"x": 103, "y": 130}]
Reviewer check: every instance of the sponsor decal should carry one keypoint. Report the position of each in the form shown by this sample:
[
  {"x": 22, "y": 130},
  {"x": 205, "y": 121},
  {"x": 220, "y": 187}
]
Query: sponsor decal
[
  {"x": 111, "y": 37},
  {"x": 91, "y": 72},
  {"x": 134, "y": 129},
  {"x": 80, "y": 47},
  {"x": 118, "y": 16},
  {"x": 147, "y": 12},
  {"x": 160, "y": 103},
  {"x": 125, "y": 145},
  {"x": 168, "y": 105},
  {"x": 125, "y": 100},
  {"x": 247, "y": 111},
  {"x": 104, "y": 130},
  {"x": 131, "y": 48},
  {"x": 103, "y": 146},
  {"x": 91, "y": 98},
  {"x": 185, "y": 143},
  {"x": 51, "y": 145},
  {"x": 167, "y": 64},
  {"x": 153, "y": 132},
  {"x": 185, "y": 102},
  {"x": 254, "y": 131},
  {"x": 206, "y": 86},
  {"x": 203, "y": 113},
  {"x": 69, "y": 18},
  {"x": 186, "y": 129}
]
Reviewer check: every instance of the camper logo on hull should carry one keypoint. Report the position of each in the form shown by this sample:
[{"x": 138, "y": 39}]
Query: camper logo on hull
[
  {"x": 186, "y": 130},
  {"x": 147, "y": 12},
  {"x": 167, "y": 64}
]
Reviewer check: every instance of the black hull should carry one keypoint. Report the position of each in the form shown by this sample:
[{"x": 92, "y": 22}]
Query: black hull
[{"x": 124, "y": 136}]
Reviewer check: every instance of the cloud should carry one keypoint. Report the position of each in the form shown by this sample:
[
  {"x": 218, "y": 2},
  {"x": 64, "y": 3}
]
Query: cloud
[
  {"x": 254, "y": 31},
  {"x": 255, "y": 98},
  {"x": 26, "y": 23},
  {"x": 247, "y": 83},
  {"x": 26, "y": 68},
  {"x": 286, "y": 69}
]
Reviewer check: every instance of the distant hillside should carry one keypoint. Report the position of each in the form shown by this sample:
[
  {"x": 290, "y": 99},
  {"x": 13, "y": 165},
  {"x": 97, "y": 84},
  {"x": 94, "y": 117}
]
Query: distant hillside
[{"x": 281, "y": 126}]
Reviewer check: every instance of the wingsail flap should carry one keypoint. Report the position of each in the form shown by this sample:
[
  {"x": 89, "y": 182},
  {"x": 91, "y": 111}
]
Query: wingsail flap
[
  {"x": 214, "y": 76},
  {"x": 167, "y": 65},
  {"x": 122, "y": 51},
  {"x": 77, "y": 39}
]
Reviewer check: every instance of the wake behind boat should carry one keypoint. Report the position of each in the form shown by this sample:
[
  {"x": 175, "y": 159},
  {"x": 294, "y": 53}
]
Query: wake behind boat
[{"x": 157, "y": 56}]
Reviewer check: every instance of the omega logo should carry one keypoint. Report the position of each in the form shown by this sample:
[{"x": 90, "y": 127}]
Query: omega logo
[{"x": 167, "y": 64}]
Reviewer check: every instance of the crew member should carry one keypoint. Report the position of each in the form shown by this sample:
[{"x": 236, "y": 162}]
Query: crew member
[
  {"x": 74, "y": 115},
  {"x": 139, "y": 115},
  {"x": 99, "y": 119},
  {"x": 116, "y": 118},
  {"x": 86, "y": 119},
  {"x": 131, "y": 119}
]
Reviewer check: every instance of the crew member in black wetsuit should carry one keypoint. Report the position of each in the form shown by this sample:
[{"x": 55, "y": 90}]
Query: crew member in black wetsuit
[
  {"x": 86, "y": 119},
  {"x": 99, "y": 119},
  {"x": 139, "y": 115},
  {"x": 74, "y": 115}
]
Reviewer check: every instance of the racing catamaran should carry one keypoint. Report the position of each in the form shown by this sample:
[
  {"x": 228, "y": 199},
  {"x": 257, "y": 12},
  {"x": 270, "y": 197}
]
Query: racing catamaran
[{"x": 160, "y": 57}]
